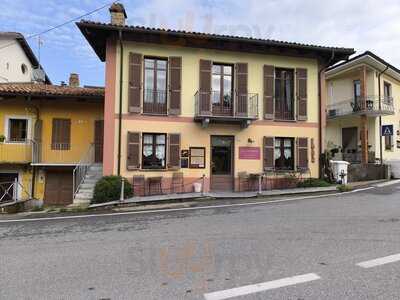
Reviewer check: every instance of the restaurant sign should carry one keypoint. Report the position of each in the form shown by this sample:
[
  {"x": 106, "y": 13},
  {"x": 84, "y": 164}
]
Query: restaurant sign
[{"x": 253, "y": 153}]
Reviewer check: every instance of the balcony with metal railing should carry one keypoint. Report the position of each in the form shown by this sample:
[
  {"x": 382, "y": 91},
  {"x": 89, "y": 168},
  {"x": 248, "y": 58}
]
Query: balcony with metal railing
[
  {"x": 57, "y": 153},
  {"x": 15, "y": 152},
  {"x": 370, "y": 106},
  {"x": 155, "y": 102},
  {"x": 211, "y": 107}
]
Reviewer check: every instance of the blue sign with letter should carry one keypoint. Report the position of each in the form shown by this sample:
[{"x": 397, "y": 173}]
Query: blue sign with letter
[{"x": 387, "y": 130}]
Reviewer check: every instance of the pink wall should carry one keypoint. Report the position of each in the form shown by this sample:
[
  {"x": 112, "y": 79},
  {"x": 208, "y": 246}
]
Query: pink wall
[{"x": 109, "y": 108}]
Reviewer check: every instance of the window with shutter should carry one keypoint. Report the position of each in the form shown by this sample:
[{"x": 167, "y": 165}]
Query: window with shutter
[
  {"x": 135, "y": 82},
  {"x": 302, "y": 154},
  {"x": 61, "y": 134},
  {"x": 133, "y": 151},
  {"x": 269, "y": 77},
  {"x": 205, "y": 87},
  {"x": 174, "y": 150},
  {"x": 175, "y": 79},
  {"x": 241, "y": 89},
  {"x": 301, "y": 86},
  {"x": 268, "y": 161}
]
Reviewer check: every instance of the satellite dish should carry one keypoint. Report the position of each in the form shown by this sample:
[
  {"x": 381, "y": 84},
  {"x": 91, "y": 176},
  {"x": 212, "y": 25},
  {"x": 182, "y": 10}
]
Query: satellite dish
[{"x": 38, "y": 75}]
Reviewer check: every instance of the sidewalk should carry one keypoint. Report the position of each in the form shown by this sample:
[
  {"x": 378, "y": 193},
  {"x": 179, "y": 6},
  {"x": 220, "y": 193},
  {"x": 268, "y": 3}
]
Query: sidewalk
[{"x": 228, "y": 195}]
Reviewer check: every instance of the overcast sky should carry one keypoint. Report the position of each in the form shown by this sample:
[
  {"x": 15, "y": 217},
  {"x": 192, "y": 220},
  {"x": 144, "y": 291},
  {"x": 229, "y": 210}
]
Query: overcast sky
[{"x": 361, "y": 24}]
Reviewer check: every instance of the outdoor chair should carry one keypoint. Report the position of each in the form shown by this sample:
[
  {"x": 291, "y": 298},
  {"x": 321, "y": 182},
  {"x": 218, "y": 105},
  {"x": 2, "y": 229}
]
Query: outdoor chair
[
  {"x": 138, "y": 185},
  {"x": 154, "y": 185},
  {"x": 243, "y": 180},
  {"x": 177, "y": 183}
]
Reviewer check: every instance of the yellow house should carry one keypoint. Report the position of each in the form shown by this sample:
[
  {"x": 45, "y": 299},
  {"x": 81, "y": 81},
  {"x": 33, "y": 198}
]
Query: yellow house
[
  {"x": 46, "y": 131},
  {"x": 183, "y": 104},
  {"x": 363, "y": 110}
]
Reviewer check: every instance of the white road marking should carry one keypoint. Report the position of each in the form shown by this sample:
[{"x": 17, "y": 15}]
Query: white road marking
[
  {"x": 388, "y": 183},
  {"x": 261, "y": 287},
  {"x": 379, "y": 261},
  {"x": 179, "y": 209}
]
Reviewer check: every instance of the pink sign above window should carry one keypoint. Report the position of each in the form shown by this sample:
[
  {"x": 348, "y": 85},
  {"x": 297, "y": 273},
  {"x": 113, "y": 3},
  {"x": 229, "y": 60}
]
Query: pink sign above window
[{"x": 249, "y": 153}]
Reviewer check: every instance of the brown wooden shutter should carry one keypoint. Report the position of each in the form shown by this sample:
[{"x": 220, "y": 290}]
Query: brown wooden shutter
[
  {"x": 37, "y": 136},
  {"x": 174, "y": 150},
  {"x": 135, "y": 82},
  {"x": 175, "y": 79},
  {"x": 241, "y": 89},
  {"x": 61, "y": 134},
  {"x": 133, "y": 151},
  {"x": 302, "y": 153},
  {"x": 205, "y": 87},
  {"x": 301, "y": 93},
  {"x": 269, "y": 105},
  {"x": 269, "y": 161}
]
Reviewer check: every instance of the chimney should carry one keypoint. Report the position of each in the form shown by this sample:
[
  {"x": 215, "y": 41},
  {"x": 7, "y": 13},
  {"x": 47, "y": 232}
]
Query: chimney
[
  {"x": 74, "y": 80},
  {"x": 118, "y": 14}
]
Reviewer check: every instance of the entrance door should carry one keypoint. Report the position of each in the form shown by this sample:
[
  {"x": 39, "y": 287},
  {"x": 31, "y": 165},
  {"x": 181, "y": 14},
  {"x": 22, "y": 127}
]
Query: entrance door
[
  {"x": 6, "y": 180},
  {"x": 349, "y": 143},
  {"x": 59, "y": 188},
  {"x": 222, "y": 157},
  {"x": 98, "y": 141}
]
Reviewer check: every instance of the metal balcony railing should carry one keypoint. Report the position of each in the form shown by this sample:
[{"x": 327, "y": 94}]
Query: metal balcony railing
[
  {"x": 155, "y": 102},
  {"x": 57, "y": 153},
  {"x": 371, "y": 105},
  {"x": 212, "y": 104},
  {"x": 16, "y": 151}
]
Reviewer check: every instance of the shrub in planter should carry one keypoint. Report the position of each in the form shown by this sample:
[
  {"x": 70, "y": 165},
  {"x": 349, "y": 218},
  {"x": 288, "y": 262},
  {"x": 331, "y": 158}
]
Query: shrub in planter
[
  {"x": 2, "y": 138},
  {"x": 108, "y": 189},
  {"x": 313, "y": 182}
]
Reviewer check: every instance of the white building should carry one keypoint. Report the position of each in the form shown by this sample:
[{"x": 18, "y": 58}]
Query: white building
[{"x": 17, "y": 60}]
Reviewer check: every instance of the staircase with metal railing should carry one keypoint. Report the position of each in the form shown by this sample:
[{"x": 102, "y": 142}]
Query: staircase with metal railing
[{"x": 85, "y": 175}]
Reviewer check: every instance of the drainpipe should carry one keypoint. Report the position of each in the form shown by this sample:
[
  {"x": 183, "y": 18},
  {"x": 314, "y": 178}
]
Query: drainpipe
[
  {"x": 319, "y": 110},
  {"x": 380, "y": 116},
  {"x": 120, "y": 101},
  {"x": 37, "y": 113}
]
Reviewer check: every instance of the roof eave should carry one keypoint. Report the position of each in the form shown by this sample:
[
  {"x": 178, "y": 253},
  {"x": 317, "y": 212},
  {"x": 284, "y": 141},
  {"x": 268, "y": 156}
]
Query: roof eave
[{"x": 341, "y": 53}]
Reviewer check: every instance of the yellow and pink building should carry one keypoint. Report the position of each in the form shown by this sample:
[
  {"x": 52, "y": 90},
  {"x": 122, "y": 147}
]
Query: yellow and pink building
[{"x": 203, "y": 104}]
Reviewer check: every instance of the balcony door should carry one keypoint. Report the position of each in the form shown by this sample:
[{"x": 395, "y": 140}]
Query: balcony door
[
  {"x": 284, "y": 94},
  {"x": 222, "y": 90},
  {"x": 155, "y": 86}
]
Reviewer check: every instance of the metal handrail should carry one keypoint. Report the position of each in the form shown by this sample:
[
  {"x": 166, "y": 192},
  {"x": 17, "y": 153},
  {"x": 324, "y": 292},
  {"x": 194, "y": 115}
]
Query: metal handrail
[
  {"x": 12, "y": 185},
  {"x": 82, "y": 168}
]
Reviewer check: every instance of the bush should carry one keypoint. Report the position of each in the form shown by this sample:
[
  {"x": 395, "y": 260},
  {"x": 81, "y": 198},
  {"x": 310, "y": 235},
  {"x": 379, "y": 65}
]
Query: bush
[
  {"x": 313, "y": 182},
  {"x": 344, "y": 188},
  {"x": 108, "y": 189}
]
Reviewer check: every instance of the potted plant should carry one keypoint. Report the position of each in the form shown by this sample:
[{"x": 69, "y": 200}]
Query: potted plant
[{"x": 2, "y": 138}]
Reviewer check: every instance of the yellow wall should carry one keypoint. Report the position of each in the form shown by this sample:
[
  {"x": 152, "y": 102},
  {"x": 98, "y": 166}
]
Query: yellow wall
[
  {"x": 82, "y": 115},
  {"x": 192, "y": 134}
]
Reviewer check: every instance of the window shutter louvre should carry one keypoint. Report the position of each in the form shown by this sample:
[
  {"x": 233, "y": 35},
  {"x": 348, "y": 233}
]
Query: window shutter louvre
[
  {"x": 135, "y": 82},
  {"x": 241, "y": 89},
  {"x": 174, "y": 150},
  {"x": 205, "y": 87},
  {"x": 175, "y": 79},
  {"x": 61, "y": 134},
  {"x": 269, "y": 162},
  {"x": 301, "y": 93},
  {"x": 269, "y": 105},
  {"x": 133, "y": 152},
  {"x": 302, "y": 153}
]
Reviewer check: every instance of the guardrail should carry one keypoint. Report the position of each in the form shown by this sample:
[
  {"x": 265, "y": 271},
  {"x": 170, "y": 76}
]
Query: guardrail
[{"x": 16, "y": 151}]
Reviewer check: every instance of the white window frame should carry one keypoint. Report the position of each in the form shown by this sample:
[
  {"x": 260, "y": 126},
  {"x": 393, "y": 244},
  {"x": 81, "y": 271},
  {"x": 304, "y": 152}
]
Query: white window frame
[{"x": 7, "y": 128}]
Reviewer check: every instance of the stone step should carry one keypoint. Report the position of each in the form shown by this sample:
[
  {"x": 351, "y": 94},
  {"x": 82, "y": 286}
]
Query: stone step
[
  {"x": 86, "y": 189},
  {"x": 81, "y": 195},
  {"x": 87, "y": 185}
]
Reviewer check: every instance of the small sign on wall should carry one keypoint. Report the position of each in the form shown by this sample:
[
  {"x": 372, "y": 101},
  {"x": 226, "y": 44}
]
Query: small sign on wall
[{"x": 253, "y": 153}]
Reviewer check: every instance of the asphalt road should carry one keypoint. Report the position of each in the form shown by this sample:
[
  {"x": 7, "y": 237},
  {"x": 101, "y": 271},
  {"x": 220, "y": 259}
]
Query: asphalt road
[{"x": 306, "y": 249}]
